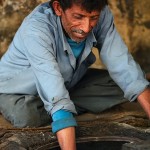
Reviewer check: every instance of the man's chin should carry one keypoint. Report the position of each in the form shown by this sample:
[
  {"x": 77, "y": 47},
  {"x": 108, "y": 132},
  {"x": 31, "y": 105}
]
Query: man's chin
[{"x": 77, "y": 40}]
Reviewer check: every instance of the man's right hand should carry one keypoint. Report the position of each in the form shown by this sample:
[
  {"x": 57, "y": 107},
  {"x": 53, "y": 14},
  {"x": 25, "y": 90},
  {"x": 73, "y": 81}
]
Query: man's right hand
[
  {"x": 144, "y": 100},
  {"x": 66, "y": 138}
]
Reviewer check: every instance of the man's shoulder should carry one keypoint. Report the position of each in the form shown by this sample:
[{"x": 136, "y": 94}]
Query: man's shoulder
[
  {"x": 40, "y": 21},
  {"x": 43, "y": 13}
]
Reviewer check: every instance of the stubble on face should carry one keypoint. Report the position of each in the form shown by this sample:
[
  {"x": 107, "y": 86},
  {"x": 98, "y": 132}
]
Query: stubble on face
[
  {"x": 72, "y": 31},
  {"x": 73, "y": 25}
]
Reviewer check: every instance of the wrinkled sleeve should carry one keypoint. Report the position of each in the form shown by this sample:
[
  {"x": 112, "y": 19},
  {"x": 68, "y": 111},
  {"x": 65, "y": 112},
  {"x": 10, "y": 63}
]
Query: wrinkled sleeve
[
  {"x": 117, "y": 59},
  {"x": 39, "y": 50}
]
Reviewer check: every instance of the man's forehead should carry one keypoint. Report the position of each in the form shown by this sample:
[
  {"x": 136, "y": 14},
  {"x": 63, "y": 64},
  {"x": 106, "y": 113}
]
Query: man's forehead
[{"x": 78, "y": 9}]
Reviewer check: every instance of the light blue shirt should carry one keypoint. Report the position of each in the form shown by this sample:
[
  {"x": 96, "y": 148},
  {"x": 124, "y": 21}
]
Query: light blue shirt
[{"x": 39, "y": 61}]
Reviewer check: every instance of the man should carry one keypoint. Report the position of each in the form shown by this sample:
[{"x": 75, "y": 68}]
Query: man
[{"x": 47, "y": 61}]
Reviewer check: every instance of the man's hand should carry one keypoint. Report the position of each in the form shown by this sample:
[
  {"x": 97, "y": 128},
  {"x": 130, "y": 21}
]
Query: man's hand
[
  {"x": 148, "y": 76},
  {"x": 144, "y": 100},
  {"x": 66, "y": 138}
]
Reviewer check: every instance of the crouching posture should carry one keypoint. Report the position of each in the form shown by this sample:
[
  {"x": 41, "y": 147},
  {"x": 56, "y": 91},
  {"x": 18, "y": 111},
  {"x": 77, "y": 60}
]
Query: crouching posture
[{"x": 44, "y": 75}]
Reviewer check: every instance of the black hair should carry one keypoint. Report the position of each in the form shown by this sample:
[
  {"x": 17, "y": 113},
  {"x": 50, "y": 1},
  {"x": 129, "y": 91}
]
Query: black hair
[{"x": 88, "y": 5}]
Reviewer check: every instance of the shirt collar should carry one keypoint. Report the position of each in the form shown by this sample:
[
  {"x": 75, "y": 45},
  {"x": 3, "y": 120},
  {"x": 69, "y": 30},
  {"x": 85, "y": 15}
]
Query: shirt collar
[{"x": 62, "y": 35}]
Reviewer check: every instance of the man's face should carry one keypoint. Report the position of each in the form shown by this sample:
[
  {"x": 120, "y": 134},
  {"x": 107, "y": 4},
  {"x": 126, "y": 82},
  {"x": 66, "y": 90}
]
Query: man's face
[{"x": 77, "y": 22}]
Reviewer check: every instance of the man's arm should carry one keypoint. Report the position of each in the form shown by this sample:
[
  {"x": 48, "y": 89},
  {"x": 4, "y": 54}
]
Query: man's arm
[
  {"x": 64, "y": 126},
  {"x": 66, "y": 138},
  {"x": 50, "y": 86},
  {"x": 118, "y": 60},
  {"x": 144, "y": 100}
]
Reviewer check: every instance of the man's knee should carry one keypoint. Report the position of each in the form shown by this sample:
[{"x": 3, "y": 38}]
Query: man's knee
[
  {"x": 23, "y": 110},
  {"x": 30, "y": 113},
  {"x": 25, "y": 119}
]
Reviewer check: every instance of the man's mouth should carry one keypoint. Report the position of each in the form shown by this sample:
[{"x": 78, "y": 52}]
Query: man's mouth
[{"x": 80, "y": 32}]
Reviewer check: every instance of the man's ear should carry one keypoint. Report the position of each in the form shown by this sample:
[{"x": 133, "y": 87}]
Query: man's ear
[{"x": 57, "y": 8}]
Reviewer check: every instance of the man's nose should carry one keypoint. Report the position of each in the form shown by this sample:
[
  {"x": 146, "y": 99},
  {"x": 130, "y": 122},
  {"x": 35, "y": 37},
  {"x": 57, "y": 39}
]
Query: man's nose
[{"x": 86, "y": 25}]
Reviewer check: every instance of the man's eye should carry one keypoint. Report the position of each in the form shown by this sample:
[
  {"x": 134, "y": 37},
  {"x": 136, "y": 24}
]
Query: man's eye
[
  {"x": 78, "y": 17},
  {"x": 94, "y": 18}
]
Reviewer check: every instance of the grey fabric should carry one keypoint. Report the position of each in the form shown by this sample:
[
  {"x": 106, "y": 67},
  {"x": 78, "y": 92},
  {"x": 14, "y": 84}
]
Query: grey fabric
[
  {"x": 24, "y": 110},
  {"x": 96, "y": 92}
]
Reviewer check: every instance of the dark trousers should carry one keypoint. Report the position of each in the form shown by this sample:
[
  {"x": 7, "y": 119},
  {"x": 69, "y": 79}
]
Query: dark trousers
[{"x": 95, "y": 93}]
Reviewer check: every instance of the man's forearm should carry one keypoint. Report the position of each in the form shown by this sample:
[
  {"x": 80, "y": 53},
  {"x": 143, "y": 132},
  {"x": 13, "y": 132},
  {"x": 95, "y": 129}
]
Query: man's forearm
[
  {"x": 66, "y": 138},
  {"x": 144, "y": 100}
]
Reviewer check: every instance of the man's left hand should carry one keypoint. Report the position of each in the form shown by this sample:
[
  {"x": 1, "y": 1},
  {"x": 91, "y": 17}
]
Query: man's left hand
[{"x": 144, "y": 100}]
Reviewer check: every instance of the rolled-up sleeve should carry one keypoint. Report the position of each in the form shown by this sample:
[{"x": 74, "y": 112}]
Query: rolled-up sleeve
[
  {"x": 49, "y": 81},
  {"x": 119, "y": 62}
]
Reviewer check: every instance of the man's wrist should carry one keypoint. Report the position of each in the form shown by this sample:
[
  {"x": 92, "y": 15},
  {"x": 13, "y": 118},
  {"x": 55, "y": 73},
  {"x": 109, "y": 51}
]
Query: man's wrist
[
  {"x": 63, "y": 123},
  {"x": 62, "y": 119}
]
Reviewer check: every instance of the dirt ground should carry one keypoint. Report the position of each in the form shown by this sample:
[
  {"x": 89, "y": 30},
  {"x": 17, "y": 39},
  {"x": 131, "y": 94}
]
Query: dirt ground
[
  {"x": 85, "y": 117},
  {"x": 126, "y": 122}
]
